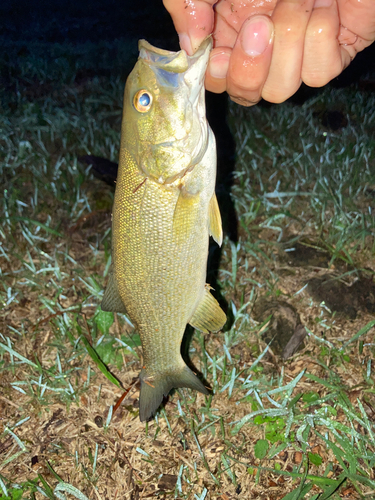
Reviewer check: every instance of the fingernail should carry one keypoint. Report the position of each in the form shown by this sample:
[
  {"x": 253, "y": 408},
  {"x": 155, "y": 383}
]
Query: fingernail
[
  {"x": 256, "y": 35},
  {"x": 195, "y": 42},
  {"x": 218, "y": 66},
  {"x": 322, "y": 3},
  {"x": 185, "y": 43}
]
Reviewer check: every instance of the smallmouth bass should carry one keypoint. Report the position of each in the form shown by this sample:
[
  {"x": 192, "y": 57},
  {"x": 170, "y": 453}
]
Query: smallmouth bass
[{"x": 164, "y": 210}]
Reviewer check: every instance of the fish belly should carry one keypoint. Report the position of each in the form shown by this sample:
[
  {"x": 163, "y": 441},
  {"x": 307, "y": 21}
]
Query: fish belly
[{"x": 160, "y": 258}]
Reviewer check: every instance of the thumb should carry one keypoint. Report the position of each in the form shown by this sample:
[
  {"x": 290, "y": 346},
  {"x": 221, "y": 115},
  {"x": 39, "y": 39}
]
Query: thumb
[{"x": 193, "y": 20}]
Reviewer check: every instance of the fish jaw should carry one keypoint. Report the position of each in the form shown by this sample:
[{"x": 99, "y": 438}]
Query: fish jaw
[{"x": 170, "y": 138}]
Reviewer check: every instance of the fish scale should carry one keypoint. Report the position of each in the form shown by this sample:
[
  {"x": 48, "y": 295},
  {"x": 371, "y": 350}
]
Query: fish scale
[{"x": 164, "y": 210}]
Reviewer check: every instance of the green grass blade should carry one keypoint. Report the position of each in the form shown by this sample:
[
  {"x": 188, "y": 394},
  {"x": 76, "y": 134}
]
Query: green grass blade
[
  {"x": 99, "y": 363},
  {"x": 37, "y": 223},
  {"x": 71, "y": 490},
  {"x": 17, "y": 355},
  {"x": 47, "y": 489},
  {"x": 361, "y": 332},
  {"x": 299, "y": 493}
]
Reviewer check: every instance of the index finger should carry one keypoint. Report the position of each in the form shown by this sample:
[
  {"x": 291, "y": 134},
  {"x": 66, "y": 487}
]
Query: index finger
[{"x": 193, "y": 20}]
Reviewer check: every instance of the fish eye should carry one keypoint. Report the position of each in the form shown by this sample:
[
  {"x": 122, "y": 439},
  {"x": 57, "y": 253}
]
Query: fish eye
[{"x": 142, "y": 101}]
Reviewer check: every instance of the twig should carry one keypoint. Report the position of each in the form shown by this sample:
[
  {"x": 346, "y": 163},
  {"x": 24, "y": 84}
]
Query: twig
[
  {"x": 83, "y": 219},
  {"x": 59, "y": 313},
  {"x": 121, "y": 399}
]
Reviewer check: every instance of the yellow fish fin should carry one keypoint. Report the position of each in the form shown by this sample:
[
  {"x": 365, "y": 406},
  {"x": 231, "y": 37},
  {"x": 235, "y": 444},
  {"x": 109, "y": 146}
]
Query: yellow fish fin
[
  {"x": 184, "y": 216},
  {"x": 154, "y": 387},
  {"x": 216, "y": 230},
  {"x": 111, "y": 300},
  {"x": 208, "y": 316}
]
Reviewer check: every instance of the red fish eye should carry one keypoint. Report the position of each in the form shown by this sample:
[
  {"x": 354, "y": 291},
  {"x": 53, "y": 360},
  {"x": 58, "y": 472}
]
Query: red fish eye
[{"x": 142, "y": 101}]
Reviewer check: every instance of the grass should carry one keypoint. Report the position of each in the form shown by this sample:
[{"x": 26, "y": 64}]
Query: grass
[{"x": 299, "y": 429}]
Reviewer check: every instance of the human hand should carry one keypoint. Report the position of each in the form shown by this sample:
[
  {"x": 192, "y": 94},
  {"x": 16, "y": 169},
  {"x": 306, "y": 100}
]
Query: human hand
[{"x": 266, "y": 48}]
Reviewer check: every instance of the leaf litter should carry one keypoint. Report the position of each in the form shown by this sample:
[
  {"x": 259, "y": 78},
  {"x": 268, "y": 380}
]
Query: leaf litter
[{"x": 273, "y": 429}]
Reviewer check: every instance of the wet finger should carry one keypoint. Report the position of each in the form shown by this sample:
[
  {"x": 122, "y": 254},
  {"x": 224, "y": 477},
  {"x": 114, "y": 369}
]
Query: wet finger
[
  {"x": 250, "y": 60},
  {"x": 357, "y": 25},
  {"x": 323, "y": 57},
  {"x": 357, "y": 16},
  {"x": 290, "y": 19},
  {"x": 193, "y": 20},
  {"x": 216, "y": 75}
]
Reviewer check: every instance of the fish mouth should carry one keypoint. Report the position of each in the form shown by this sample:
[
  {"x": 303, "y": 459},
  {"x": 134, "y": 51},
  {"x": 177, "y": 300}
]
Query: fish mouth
[
  {"x": 173, "y": 62},
  {"x": 179, "y": 147},
  {"x": 178, "y": 70}
]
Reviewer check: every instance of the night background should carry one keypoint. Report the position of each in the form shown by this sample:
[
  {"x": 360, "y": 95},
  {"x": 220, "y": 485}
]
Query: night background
[
  {"x": 49, "y": 22},
  {"x": 292, "y": 410}
]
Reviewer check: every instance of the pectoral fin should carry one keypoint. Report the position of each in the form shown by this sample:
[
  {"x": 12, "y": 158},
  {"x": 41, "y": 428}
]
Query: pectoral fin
[
  {"x": 184, "y": 217},
  {"x": 216, "y": 230},
  {"x": 208, "y": 316},
  {"x": 111, "y": 300}
]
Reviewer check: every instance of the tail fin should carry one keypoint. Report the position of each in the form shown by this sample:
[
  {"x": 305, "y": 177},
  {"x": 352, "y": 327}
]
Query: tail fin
[{"x": 153, "y": 388}]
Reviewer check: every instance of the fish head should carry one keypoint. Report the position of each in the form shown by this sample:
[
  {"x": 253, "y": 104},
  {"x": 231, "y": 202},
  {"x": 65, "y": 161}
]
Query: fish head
[{"x": 164, "y": 120}]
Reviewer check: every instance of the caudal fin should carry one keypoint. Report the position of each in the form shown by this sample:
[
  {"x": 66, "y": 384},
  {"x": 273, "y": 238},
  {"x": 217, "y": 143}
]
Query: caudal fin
[{"x": 154, "y": 388}]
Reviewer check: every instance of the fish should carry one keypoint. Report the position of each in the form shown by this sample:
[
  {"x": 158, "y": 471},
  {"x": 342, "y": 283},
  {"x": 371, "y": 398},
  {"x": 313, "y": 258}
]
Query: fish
[{"x": 164, "y": 211}]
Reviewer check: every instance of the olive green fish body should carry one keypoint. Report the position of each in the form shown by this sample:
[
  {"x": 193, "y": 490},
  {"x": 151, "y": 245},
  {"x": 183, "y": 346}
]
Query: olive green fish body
[{"x": 164, "y": 210}]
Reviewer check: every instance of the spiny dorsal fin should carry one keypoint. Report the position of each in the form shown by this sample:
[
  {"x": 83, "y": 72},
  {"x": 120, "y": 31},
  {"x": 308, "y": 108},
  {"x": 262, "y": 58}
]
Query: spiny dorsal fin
[
  {"x": 208, "y": 316},
  {"x": 111, "y": 300},
  {"x": 215, "y": 227}
]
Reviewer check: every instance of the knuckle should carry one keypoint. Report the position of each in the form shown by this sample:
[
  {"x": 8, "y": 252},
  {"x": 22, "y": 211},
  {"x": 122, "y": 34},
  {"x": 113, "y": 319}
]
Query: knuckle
[
  {"x": 243, "y": 101},
  {"x": 288, "y": 32},
  {"x": 318, "y": 76},
  {"x": 278, "y": 94},
  {"x": 322, "y": 30}
]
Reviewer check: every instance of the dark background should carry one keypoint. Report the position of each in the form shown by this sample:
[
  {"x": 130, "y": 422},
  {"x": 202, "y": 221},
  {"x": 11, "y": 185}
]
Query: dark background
[{"x": 77, "y": 21}]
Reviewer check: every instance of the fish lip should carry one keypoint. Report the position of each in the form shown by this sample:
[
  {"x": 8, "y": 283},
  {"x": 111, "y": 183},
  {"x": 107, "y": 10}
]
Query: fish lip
[
  {"x": 206, "y": 45},
  {"x": 181, "y": 62},
  {"x": 169, "y": 60}
]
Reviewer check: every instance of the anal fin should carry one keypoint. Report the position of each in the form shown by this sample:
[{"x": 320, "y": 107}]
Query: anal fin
[
  {"x": 216, "y": 230},
  {"x": 208, "y": 316},
  {"x": 111, "y": 300}
]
